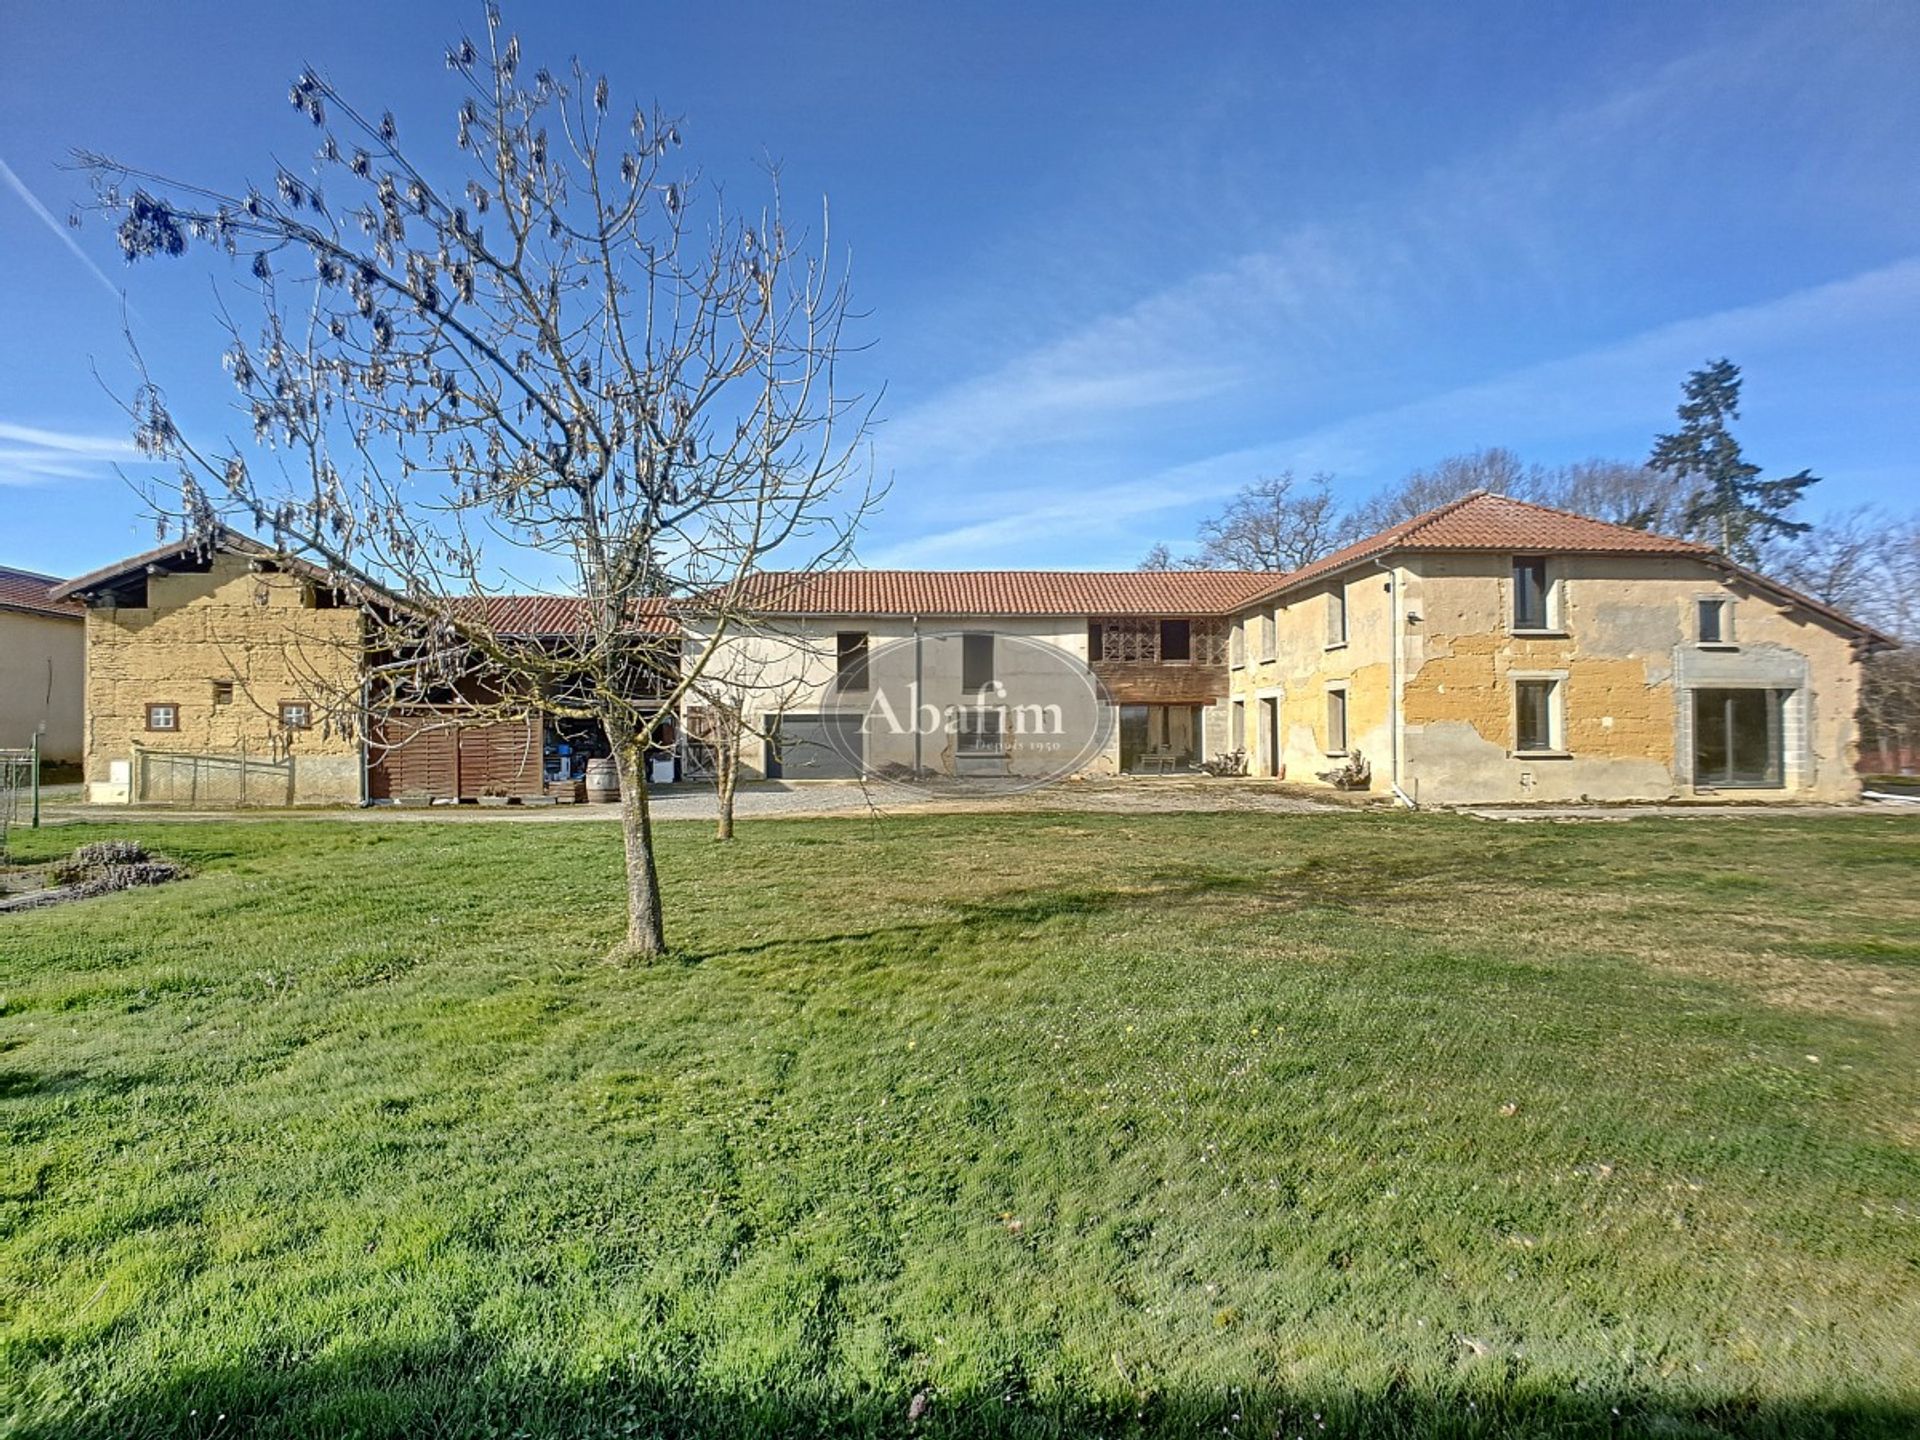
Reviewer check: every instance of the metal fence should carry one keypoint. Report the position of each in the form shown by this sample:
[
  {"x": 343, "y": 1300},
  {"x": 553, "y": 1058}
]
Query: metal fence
[
  {"x": 162, "y": 777},
  {"x": 17, "y": 774}
]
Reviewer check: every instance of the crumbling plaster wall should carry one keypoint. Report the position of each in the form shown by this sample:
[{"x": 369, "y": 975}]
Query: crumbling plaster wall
[{"x": 1624, "y": 648}]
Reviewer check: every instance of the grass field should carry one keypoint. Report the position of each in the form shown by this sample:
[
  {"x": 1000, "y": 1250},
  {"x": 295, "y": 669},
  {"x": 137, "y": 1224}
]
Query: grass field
[{"x": 1057, "y": 1125}]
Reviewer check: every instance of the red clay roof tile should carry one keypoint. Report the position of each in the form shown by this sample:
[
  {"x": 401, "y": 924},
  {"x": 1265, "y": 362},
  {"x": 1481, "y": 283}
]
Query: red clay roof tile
[
  {"x": 1004, "y": 592},
  {"x": 32, "y": 592}
]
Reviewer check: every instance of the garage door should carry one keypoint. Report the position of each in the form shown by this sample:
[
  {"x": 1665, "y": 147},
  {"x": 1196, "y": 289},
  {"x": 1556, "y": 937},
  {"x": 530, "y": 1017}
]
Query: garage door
[{"x": 818, "y": 747}]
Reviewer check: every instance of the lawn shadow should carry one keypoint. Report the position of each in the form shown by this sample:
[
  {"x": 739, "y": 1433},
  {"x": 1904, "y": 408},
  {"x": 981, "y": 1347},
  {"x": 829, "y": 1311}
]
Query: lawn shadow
[
  {"x": 467, "y": 1389},
  {"x": 1011, "y": 911}
]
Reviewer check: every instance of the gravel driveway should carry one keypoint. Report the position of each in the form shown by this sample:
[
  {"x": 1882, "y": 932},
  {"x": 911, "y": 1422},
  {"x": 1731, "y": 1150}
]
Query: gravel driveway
[{"x": 774, "y": 798}]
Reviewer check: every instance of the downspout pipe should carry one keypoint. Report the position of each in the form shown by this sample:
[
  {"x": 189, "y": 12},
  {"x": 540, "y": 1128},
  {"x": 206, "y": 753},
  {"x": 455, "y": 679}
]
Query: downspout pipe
[{"x": 1393, "y": 681}]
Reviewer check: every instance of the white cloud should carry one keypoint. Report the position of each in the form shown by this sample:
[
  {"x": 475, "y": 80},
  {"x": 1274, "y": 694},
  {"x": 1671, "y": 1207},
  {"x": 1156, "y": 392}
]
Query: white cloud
[
  {"x": 31, "y": 453},
  {"x": 1627, "y": 384},
  {"x": 1309, "y": 302}
]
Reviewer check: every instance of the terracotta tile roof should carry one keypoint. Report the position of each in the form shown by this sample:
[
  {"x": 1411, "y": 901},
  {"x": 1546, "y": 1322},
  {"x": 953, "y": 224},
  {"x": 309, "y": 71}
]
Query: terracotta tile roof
[
  {"x": 558, "y": 614},
  {"x": 1485, "y": 521},
  {"x": 32, "y": 592},
  {"x": 1004, "y": 592}
]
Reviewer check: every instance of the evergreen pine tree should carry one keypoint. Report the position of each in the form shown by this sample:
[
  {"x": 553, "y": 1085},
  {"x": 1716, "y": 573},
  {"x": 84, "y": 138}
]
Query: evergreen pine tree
[{"x": 1729, "y": 505}]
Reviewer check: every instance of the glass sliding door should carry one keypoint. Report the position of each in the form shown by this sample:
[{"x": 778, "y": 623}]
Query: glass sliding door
[{"x": 1737, "y": 738}]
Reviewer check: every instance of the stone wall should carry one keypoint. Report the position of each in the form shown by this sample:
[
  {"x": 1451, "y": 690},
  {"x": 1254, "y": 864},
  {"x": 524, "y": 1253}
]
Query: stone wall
[{"x": 256, "y": 631}]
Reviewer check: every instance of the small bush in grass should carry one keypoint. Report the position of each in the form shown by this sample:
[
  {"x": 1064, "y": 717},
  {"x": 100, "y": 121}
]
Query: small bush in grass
[{"x": 109, "y": 865}]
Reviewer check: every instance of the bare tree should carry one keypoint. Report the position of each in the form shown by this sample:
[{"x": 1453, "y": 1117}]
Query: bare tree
[
  {"x": 1866, "y": 563},
  {"x": 1276, "y": 523},
  {"x": 1419, "y": 491},
  {"x": 1616, "y": 490},
  {"x": 572, "y": 364},
  {"x": 735, "y": 703}
]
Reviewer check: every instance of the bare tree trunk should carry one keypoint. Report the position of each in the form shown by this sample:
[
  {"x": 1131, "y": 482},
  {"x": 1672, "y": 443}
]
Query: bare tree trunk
[
  {"x": 726, "y": 779},
  {"x": 726, "y": 776},
  {"x": 646, "y": 929}
]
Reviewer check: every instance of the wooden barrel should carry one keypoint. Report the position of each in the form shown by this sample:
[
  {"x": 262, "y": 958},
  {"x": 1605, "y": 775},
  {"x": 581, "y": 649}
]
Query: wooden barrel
[{"x": 603, "y": 780}]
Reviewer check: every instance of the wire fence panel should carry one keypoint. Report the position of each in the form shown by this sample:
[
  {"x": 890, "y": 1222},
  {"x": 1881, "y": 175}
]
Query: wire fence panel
[
  {"x": 218, "y": 781},
  {"x": 16, "y": 780}
]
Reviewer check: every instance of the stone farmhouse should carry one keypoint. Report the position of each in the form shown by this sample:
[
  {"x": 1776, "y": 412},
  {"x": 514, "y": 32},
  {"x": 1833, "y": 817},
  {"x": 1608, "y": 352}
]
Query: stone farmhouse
[{"x": 1489, "y": 650}]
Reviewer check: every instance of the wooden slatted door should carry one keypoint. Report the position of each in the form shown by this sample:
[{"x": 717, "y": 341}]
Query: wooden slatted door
[{"x": 426, "y": 754}]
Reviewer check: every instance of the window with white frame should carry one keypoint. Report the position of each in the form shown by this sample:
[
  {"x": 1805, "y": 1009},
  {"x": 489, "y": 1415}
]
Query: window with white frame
[
  {"x": 1536, "y": 716},
  {"x": 1269, "y": 636},
  {"x": 1237, "y": 646}
]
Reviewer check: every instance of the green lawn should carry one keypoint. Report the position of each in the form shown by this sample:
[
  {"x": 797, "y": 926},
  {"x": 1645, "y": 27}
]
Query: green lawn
[{"x": 1067, "y": 1125}]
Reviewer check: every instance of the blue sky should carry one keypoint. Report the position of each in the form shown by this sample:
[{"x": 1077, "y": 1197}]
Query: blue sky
[{"x": 1115, "y": 260}]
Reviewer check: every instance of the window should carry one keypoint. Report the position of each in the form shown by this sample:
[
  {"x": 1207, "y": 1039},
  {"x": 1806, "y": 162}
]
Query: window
[
  {"x": 851, "y": 659},
  {"x": 296, "y": 715},
  {"x": 1269, "y": 632},
  {"x": 1237, "y": 646},
  {"x": 164, "y": 716},
  {"x": 976, "y": 662},
  {"x": 1535, "y": 724},
  {"x": 1738, "y": 737},
  {"x": 1237, "y": 726},
  {"x": 980, "y": 731},
  {"x": 223, "y": 692},
  {"x": 1714, "y": 628},
  {"x": 1337, "y": 618},
  {"x": 1529, "y": 593},
  {"x": 1336, "y": 722},
  {"x": 1096, "y": 642},
  {"x": 1176, "y": 640}
]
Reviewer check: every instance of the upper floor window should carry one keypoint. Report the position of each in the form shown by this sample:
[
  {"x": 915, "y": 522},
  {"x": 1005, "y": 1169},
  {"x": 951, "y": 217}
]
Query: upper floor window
[
  {"x": 1337, "y": 616},
  {"x": 850, "y": 659},
  {"x": 1237, "y": 646},
  {"x": 976, "y": 662},
  {"x": 1530, "y": 593},
  {"x": 223, "y": 692},
  {"x": 1176, "y": 640},
  {"x": 296, "y": 715},
  {"x": 1269, "y": 633},
  {"x": 1714, "y": 622},
  {"x": 165, "y": 716}
]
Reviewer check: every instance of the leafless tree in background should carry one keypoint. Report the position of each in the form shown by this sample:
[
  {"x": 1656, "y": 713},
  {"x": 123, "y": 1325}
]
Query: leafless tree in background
[
  {"x": 569, "y": 360},
  {"x": 1276, "y": 523},
  {"x": 1866, "y": 563},
  {"x": 1282, "y": 524}
]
